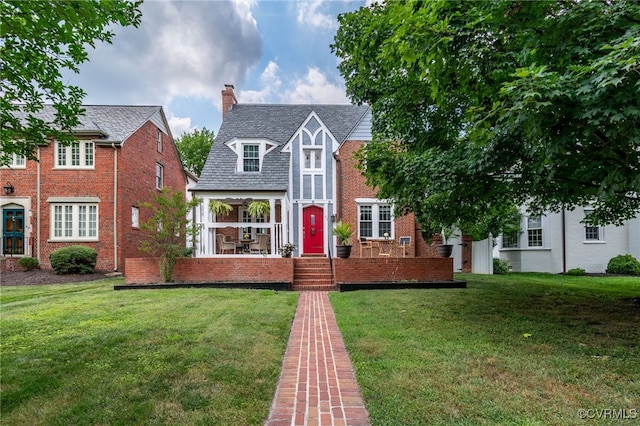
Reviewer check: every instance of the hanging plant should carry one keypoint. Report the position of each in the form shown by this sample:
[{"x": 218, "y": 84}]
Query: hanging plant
[
  {"x": 220, "y": 208},
  {"x": 258, "y": 208}
]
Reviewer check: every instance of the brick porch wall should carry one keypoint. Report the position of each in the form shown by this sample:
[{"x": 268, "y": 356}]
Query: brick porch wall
[
  {"x": 392, "y": 270},
  {"x": 232, "y": 269},
  {"x": 236, "y": 269}
]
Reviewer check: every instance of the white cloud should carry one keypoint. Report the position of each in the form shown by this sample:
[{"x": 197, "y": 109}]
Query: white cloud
[
  {"x": 315, "y": 88},
  {"x": 270, "y": 86},
  {"x": 181, "y": 49},
  {"x": 310, "y": 15},
  {"x": 180, "y": 125}
]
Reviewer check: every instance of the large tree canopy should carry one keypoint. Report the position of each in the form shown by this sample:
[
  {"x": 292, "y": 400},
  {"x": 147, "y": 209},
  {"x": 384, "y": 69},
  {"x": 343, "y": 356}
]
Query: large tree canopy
[
  {"x": 491, "y": 103},
  {"x": 194, "y": 149},
  {"x": 37, "y": 40}
]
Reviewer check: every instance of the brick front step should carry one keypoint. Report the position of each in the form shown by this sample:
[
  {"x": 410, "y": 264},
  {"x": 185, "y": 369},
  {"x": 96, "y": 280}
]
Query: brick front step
[
  {"x": 312, "y": 273},
  {"x": 309, "y": 287}
]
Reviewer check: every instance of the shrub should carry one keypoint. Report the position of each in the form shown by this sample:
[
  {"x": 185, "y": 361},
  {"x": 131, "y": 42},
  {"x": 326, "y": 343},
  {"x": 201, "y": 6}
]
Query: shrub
[
  {"x": 500, "y": 266},
  {"x": 74, "y": 260},
  {"x": 624, "y": 264},
  {"x": 576, "y": 272},
  {"x": 28, "y": 263}
]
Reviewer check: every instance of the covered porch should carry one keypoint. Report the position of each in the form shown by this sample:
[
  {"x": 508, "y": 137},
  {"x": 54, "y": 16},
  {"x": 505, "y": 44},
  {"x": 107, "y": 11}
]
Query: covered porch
[{"x": 227, "y": 226}]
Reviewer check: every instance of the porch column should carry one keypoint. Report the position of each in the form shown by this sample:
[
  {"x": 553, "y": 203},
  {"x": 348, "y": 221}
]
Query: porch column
[{"x": 272, "y": 224}]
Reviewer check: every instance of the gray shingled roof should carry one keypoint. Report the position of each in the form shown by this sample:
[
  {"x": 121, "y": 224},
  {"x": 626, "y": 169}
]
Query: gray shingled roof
[
  {"x": 114, "y": 122},
  {"x": 277, "y": 123}
]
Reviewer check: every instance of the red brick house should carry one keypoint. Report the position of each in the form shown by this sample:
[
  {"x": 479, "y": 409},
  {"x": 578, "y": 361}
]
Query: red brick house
[{"x": 89, "y": 193}]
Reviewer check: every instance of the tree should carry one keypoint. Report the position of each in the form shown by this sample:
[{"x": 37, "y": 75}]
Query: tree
[
  {"x": 168, "y": 228},
  {"x": 495, "y": 103},
  {"x": 194, "y": 149},
  {"x": 37, "y": 40}
]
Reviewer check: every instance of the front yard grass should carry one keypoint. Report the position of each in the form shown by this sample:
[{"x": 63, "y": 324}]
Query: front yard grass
[
  {"x": 517, "y": 349},
  {"x": 85, "y": 354}
]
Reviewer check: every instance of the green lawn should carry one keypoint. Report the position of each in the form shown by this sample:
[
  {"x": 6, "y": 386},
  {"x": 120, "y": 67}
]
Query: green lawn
[
  {"x": 85, "y": 354},
  {"x": 519, "y": 349}
]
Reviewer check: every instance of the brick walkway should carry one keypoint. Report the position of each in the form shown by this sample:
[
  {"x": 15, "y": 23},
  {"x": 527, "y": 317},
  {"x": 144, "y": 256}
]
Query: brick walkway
[{"x": 317, "y": 385}]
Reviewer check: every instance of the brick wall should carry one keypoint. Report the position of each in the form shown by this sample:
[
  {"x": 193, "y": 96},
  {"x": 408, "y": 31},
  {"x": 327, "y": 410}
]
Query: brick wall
[
  {"x": 392, "y": 270},
  {"x": 231, "y": 269},
  {"x": 239, "y": 269},
  {"x": 136, "y": 183},
  {"x": 351, "y": 185}
]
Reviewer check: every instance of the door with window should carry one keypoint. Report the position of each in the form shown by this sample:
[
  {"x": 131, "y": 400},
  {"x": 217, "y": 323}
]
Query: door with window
[
  {"x": 312, "y": 230},
  {"x": 13, "y": 231}
]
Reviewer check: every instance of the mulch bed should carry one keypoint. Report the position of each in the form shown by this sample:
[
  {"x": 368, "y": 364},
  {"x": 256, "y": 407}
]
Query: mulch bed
[{"x": 47, "y": 276}]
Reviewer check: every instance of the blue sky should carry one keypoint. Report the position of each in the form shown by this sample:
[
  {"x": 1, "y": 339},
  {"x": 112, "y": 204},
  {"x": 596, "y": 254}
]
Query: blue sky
[{"x": 184, "y": 52}]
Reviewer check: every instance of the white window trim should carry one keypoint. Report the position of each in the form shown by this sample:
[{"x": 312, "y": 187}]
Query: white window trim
[
  {"x": 375, "y": 203},
  {"x": 68, "y": 154},
  {"x": 161, "y": 176},
  {"x": 75, "y": 217},
  {"x": 601, "y": 235},
  {"x": 13, "y": 163},
  {"x": 518, "y": 242},
  {"x": 313, "y": 150},
  {"x": 135, "y": 217},
  {"x": 254, "y": 229},
  {"x": 523, "y": 236},
  {"x": 159, "y": 146},
  {"x": 237, "y": 145}
]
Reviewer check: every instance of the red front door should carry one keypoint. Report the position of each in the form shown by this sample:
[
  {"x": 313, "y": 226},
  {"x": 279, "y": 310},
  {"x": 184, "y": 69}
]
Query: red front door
[{"x": 312, "y": 230}]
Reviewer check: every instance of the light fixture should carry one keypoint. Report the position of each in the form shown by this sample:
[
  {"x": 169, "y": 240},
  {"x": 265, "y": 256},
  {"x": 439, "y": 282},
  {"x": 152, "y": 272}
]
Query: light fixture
[{"x": 8, "y": 189}]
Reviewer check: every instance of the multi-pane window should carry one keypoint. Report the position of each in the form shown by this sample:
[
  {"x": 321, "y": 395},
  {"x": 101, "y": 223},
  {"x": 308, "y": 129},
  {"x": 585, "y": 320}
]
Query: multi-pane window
[
  {"x": 312, "y": 159},
  {"x": 365, "y": 221},
  {"x": 16, "y": 161},
  {"x": 79, "y": 154},
  {"x": 159, "y": 140},
  {"x": 534, "y": 231},
  {"x": 375, "y": 220},
  {"x": 252, "y": 232},
  {"x": 251, "y": 158},
  {"x": 75, "y": 221},
  {"x": 159, "y": 176},
  {"x": 510, "y": 239},
  {"x": 593, "y": 233}
]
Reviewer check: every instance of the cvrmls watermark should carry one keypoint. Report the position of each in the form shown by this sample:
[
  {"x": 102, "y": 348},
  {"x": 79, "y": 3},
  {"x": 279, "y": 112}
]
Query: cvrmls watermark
[{"x": 608, "y": 413}]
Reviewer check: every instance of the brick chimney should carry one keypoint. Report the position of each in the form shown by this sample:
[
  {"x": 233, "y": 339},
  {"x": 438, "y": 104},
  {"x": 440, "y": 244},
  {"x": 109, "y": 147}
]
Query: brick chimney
[{"x": 228, "y": 99}]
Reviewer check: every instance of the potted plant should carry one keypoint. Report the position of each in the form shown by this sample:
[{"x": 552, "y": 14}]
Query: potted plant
[
  {"x": 445, "y": 249},
  {"x": 344, "y": 231},
  {"x": 220, "y": 208},
  {"x": 286, "y": 250},
  {"x": 258, "y": 208}
]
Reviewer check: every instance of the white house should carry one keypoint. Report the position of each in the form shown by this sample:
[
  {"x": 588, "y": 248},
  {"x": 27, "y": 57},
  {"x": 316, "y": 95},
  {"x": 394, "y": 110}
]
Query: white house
[{"x": 558, "y": 242}]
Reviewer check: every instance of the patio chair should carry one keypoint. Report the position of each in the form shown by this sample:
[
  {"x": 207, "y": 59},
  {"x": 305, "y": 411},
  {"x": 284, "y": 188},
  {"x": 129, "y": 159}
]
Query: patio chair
[
  {"x": 261, "y": 244},
  {"x": 365, "y": 245},
  {"x": 225, "y": 243},
  {"x": 405, "y": 243}
]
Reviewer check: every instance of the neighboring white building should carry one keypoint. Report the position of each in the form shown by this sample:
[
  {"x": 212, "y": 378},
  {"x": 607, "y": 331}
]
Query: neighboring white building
[{"x": 558, "y": 242}]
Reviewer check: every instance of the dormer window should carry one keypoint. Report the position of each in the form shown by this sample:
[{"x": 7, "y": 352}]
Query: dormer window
[
  {"x": 251, "y": 158},
  {"x": 251, "y": 153}
]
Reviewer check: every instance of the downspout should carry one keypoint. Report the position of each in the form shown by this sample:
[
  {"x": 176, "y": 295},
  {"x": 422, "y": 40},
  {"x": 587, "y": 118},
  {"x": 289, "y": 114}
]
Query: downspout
[
  {"x": 338, "y": 203},
  {"x": 38, "y": 183},
  {"x": 115, "y": 207},
  {"x": 564, "y": 243}
]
